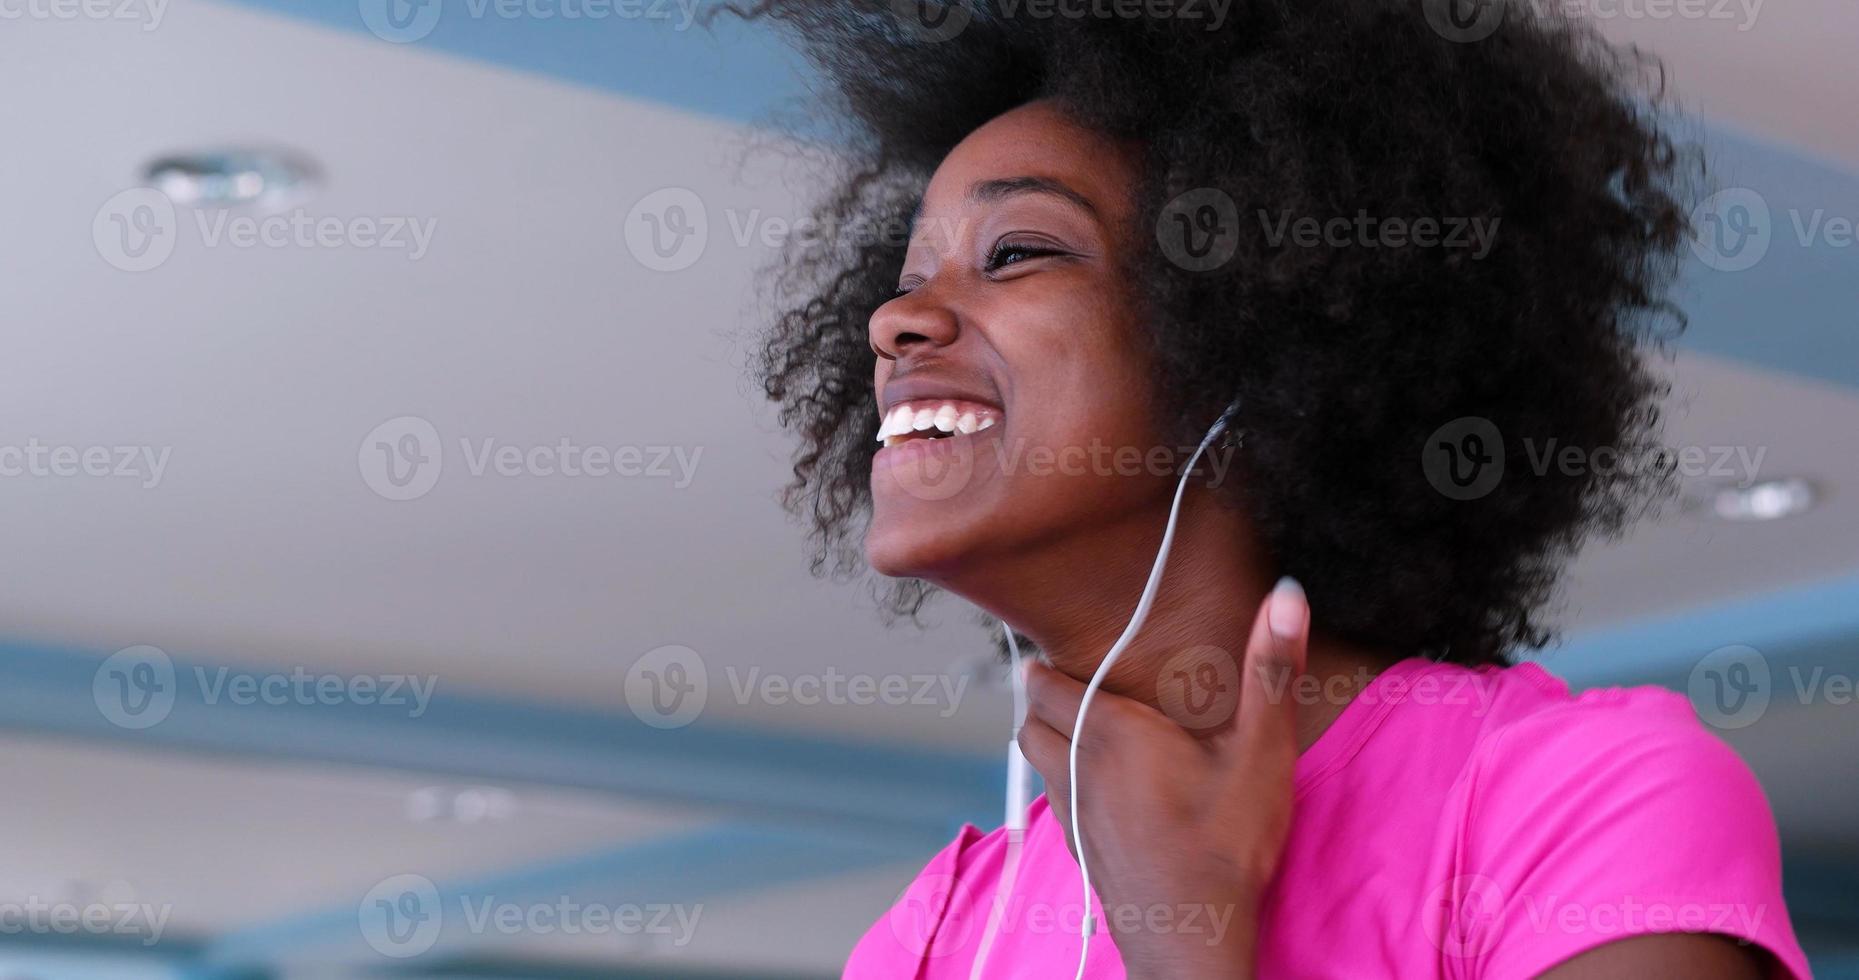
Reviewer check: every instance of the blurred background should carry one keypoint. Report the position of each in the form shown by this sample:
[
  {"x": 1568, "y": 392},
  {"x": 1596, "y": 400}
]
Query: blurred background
[{"x": 396, "y": 585}]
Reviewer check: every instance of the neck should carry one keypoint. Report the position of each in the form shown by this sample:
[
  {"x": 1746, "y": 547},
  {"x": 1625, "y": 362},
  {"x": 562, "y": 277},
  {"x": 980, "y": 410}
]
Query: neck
[{"x": 1075, "y": 597}]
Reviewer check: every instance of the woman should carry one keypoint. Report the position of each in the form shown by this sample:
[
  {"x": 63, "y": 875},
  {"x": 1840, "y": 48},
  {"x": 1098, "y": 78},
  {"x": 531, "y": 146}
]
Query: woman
[{"x": 1405, "y": 256}]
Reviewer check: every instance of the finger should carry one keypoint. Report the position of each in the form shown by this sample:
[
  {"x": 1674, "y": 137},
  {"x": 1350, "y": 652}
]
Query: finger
[
  {"x": 1048, "y": 751},
  {"x": 1054, "y": 697},
  {"x": 1274, "y": 659}
]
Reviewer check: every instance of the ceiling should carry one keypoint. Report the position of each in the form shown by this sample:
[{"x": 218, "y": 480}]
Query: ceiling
[{"x": 526, "y": 600}]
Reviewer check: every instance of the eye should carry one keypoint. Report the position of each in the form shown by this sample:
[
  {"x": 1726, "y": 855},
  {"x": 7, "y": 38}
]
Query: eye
[{"x": 1006, "y": 253}]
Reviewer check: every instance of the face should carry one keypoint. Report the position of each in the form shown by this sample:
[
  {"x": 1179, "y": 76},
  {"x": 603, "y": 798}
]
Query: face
[{"x": 1013, "y": 397}]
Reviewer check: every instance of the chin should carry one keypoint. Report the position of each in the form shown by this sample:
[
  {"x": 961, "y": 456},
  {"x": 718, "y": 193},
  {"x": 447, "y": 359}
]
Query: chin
[{"x": 914, "y": 546}]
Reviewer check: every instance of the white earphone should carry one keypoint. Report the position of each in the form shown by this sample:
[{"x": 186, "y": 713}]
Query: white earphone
[{"x": 1019, "y": 773}]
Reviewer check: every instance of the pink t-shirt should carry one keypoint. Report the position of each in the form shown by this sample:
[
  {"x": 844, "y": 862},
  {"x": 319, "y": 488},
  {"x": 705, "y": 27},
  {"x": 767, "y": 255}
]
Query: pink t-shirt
[{"x": 1453, "y": 822}]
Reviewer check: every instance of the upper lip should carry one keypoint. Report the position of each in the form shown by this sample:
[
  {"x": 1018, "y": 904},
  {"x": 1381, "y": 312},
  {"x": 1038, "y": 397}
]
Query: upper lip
[{"x": 927, "y": 386}]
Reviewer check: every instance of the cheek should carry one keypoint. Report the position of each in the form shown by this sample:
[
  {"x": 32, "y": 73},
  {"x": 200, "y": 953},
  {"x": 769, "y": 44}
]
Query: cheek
[{"x": 1083, "y": 375}]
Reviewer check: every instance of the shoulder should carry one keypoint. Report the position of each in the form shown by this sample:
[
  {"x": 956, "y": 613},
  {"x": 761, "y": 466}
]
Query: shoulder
[
  {"x": 1638, "y": 755},
  {"x": 1594, "y": 817}
]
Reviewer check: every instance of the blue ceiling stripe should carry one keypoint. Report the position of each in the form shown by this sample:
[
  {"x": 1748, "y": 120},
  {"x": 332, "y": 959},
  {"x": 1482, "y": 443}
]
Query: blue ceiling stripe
[
  {"x": 688, "y": 869},
  {"x": 856, "y": 788},
  {"x": 1800, "y": 621},
  {"x": 1797, "y": 308}
]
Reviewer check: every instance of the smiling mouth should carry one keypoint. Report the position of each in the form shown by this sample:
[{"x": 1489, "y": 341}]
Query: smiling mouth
[{"x": 935, "y": 419}]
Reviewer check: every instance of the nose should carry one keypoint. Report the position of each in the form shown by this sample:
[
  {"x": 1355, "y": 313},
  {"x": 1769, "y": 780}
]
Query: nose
[{"x": 915, "y": 319}]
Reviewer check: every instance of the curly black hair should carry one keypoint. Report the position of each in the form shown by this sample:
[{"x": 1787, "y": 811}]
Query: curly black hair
[{"x": 1345, "y": 358}]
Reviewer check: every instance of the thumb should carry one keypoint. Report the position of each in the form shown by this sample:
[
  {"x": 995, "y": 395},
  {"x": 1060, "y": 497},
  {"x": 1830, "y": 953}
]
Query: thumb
[{"x": 1275, "y": 656}]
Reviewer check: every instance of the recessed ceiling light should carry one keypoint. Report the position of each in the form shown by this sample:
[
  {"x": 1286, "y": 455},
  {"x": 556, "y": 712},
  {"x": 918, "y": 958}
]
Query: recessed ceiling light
[
  {"x": 1764, "y": 500},
  {"x": 263, "y": 179},
  {"x": 462, "y": 805}
]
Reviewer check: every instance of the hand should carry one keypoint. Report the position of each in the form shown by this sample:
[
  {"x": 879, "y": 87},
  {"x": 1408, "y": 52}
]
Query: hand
[{"x": 1182, "y": 830}]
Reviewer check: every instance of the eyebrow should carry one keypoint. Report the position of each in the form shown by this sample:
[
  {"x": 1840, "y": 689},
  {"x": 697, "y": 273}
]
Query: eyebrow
[
  {"x": 1000, "y": 188},
  {"x": 994, "y": 190}
]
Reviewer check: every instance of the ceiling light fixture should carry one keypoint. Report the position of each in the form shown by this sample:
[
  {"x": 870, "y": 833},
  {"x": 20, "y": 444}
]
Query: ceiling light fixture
[
  {"x": 460, "y": 805},
  {"x": 261, "y": 179},
  {"x": 1764, "y": 500}
]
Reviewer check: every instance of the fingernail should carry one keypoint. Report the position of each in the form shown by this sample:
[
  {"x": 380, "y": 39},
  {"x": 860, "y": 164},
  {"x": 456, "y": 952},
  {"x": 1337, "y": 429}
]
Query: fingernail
[{"x": 1287, "y": 611}]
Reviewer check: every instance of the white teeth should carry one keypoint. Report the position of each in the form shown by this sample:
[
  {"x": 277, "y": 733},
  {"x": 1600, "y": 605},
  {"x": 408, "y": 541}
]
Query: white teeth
[
  {"x": 894, "y": 423},
  {"x": 904, "y": 420}
]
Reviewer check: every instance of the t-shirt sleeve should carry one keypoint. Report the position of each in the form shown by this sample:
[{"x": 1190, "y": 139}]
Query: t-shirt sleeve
[
  {"x": 1614, "y": 816},
  {"x": 915, "y": 926}
]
